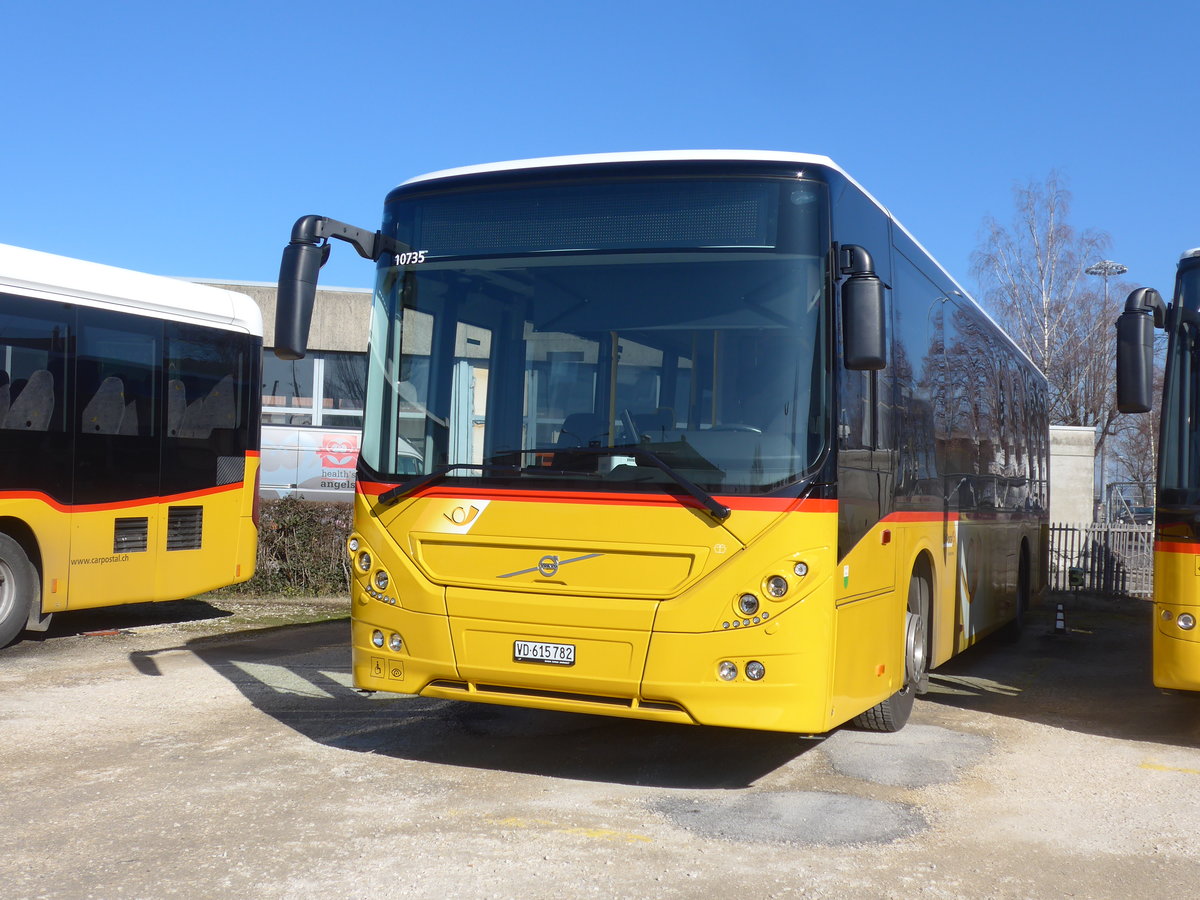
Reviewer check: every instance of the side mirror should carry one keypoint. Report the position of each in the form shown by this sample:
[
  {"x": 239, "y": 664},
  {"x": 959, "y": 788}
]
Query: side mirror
[
  {"x": 298, "y": 272},
  {"x": 864, "y": 320},
  {"x": 1135, "y": 350}
]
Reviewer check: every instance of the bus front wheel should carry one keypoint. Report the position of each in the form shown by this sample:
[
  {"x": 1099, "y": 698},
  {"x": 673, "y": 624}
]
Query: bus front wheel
[
  {"x": 892, "y": 713},
  {"x": 18, "y": 589}
]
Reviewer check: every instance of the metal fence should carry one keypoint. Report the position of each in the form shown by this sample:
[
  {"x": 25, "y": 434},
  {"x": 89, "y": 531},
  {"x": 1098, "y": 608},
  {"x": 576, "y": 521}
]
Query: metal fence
[{"x": 1103, "y": 558}]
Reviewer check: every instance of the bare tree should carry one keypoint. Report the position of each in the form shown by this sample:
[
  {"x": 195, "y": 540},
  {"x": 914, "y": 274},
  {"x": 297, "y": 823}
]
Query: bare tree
[{"x": 1032, "y": 277}]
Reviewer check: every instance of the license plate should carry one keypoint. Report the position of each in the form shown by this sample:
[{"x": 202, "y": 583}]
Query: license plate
[{"x": 539, "y": 652}]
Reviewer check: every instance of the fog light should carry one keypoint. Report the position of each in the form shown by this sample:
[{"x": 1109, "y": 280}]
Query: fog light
[
  {"x": 748, "y": 604},
  {"x": 727, "y": 671},
  {"x": 1167, "y": 615},
  {"x": 755, "y": 670},
  {"x": 353, "y": 545},
  {"x": 777, "y": 586},
  {"x": 800, "y": 569},
  {"x": 377, "y": 639},
  {"x": 381, "y": 580},
  {"x": 364, "y": 561},
  {"x": 1186, "y": 621},
  {"x": 394, "y": 643}
]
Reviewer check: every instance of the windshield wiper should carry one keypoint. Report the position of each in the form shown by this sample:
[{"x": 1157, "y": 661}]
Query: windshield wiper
[
  {"x": 415, "y": 484},
  {"x": 718, "y": 510}
]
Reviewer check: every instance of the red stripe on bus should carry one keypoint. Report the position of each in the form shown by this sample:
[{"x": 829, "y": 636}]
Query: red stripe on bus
[
  {"x": 757, "y": 504},
  {"x": 1175, "y": 547},
  {"x": 119, "y": 504}
]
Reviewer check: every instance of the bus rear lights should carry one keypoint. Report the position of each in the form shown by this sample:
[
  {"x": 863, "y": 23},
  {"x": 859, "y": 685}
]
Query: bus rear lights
[
  {"x": 377, "y": 639},
  {"x": 381, "y": 580},
  {"x": 755, "y": 670},
  {"x": 727, "y": 671},
  {"x": 747, "y": 604},
  {"x": 364, "y": 561},
  {"x": 776, "y": 586},
  {"x": 1186, "y": 621}
]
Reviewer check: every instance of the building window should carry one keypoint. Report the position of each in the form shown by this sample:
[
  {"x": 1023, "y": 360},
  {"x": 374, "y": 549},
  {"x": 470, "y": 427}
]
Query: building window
[{"x": 323, "y": 390}]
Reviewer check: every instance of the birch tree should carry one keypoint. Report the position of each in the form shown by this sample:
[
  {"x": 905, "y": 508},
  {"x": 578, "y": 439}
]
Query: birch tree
[{"x": 1031, "y": 275}]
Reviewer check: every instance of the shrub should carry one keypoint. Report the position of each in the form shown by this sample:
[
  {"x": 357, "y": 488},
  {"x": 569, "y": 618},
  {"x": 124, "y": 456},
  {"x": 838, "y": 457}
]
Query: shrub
[{"x": 301, "y": 550}]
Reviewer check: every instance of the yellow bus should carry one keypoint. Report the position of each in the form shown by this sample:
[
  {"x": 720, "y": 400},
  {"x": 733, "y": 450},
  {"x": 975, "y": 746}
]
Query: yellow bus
[
  {"x": 129, "y": 429},
  {"x": 701, "y": 437},
  {"x": 1176, "y": 641}
]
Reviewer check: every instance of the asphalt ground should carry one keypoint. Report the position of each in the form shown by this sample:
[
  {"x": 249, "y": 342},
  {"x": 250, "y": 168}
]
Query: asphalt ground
[{"x": 214, "y": 748}]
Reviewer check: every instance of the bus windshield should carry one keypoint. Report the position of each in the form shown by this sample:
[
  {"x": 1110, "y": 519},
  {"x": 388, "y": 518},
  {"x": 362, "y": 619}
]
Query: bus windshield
[{"x": 547, "y": 331}]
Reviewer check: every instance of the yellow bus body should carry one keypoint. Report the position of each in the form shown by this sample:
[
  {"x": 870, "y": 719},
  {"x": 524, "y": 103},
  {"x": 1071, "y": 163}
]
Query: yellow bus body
[
  {"x": 1176, "y": 651},
  {"x": 652, "y": 614},
  {"x": 81, "y": 567}
]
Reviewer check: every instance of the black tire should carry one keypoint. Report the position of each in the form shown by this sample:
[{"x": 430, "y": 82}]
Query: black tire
[
  {"x": 893, "y": 713},
  {"x": 18, "y": 589}
]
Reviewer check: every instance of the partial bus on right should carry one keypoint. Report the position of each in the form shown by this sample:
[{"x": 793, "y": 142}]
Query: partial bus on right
[{"x": 1177, "y": 508}]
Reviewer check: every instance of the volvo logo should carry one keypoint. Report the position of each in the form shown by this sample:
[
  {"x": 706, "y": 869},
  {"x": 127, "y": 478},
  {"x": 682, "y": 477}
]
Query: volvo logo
[{"x": 549, "y": 565}]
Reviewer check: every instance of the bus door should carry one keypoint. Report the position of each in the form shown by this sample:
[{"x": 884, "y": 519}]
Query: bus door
[{"x": 115, "y": 535}]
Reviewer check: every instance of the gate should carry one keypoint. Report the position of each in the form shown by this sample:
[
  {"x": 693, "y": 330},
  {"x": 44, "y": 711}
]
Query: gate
[{"x": 1110, "y": 558}]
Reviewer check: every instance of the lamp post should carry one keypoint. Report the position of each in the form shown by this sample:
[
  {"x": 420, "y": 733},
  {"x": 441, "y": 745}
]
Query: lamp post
[{"x": 1106, "y": 268}]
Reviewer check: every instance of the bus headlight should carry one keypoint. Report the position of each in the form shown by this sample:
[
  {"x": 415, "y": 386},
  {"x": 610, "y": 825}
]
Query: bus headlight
[
  {"x": 727, "y": 671},
  {"x": 1186, "y": 621},
  {"x": 801, "y": 569},
  {"x": 381, "y": 580},
  {"x": 755, "y": 670},
  {"x": 395, "y": 643},
  {"x": 776, "y": 586},
  {"x": 747, "y": 604},
  {"x": 377, "y": 639},
  {"x": 364, "y": 561},
  {"x": 352, "y": 545}
]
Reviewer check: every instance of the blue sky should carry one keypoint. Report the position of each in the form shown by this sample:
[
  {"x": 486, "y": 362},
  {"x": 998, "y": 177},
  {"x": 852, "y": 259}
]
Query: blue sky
[{"x": 185, "y": 138}]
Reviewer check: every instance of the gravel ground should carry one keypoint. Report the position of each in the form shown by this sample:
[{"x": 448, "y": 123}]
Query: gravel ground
[{"x": 207, "y": 749}]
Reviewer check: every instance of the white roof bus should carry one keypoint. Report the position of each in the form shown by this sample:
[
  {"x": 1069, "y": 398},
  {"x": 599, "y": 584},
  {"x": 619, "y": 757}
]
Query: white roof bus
[
  {"x": 129, "y": 430},
  {"x": 1176, "y": 638},
  {"x": 701, "y": 437}
]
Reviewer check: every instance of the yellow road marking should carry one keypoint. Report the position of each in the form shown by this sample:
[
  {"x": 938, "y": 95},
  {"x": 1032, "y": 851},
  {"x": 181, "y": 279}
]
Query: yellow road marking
[
  {"x": 601, "y": 834},
  {"x": 1159, "y": 767}
]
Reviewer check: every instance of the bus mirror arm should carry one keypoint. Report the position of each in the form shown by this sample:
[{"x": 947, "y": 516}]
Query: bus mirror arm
[
  {"x": 302, "y": 260},
  {"x": 864, "y": 328},
  {"x": 1144, "y": 311}
]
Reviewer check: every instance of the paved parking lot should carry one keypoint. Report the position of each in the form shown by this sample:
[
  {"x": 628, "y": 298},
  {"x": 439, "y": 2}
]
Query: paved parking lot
[{"x": 205, "y": 750}]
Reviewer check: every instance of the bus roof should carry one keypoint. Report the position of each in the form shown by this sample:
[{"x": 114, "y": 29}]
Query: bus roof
[{"x": 33, "y": 273}]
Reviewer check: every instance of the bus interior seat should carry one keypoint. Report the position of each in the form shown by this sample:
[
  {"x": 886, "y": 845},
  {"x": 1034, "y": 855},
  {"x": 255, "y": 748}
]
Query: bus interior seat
[
  {"x": 105, "y": 411},
  {"x": 583, "y": 430},
  {"x": 31, "y": 408},
  {"x": 214, "y": 410}
]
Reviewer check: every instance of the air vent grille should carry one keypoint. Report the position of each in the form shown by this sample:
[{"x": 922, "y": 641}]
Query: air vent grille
[
  {"x": 184, "y": 527},
  {"x": 131, "y": 535}
]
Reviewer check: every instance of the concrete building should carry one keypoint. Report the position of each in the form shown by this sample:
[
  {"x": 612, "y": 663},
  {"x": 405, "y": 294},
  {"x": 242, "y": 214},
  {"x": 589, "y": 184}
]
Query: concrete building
[{"x": 1072, "y": 473}]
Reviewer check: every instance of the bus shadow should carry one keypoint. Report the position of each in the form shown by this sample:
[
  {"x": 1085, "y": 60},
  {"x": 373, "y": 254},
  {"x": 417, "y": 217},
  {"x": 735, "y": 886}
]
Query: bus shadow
[
  {"x": 109, "y": 620},
  {"x": 1093, "y": 677},
  {"x": 300, "y": 676}
]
